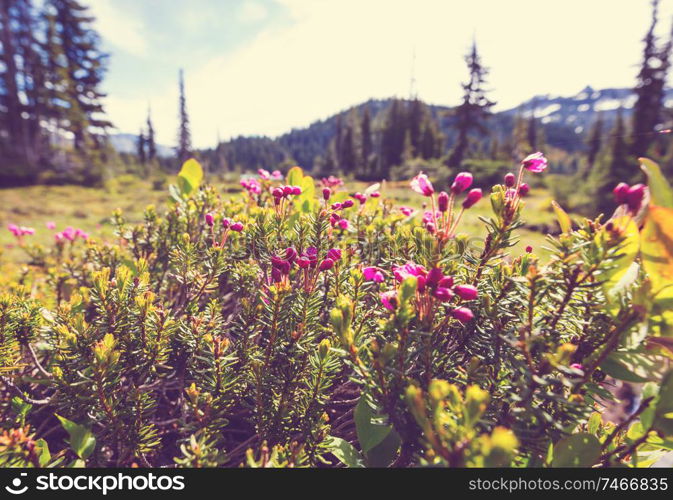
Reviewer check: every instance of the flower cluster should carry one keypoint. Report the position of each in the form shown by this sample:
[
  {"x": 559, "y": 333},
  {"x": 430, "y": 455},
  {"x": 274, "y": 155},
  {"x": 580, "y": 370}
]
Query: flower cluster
[
  {"x": 432, "y": 288},
  {"x": 443, "y": 220},
  {"x": 70, "y": 234},
  {"x": 20, "y": 231},
  {"x": 308, "y": 262}
]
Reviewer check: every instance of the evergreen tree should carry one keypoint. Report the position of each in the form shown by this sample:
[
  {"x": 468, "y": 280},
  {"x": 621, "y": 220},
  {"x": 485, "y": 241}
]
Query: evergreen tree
[
  {"x": 184, "y": 149},
  {"x": 366, "y": 138},
  {"x": 474, "y": 110},
  {"x": 151, "y": 145},
  {"x": 594, "y": 140},
  {"x": 392, "y": 138},
  {"x": 612, "y": 167},
  {"x": 81, "y": 67},
  {"x": 647, "y": 112},
  {"x": 141, "y": 148}
]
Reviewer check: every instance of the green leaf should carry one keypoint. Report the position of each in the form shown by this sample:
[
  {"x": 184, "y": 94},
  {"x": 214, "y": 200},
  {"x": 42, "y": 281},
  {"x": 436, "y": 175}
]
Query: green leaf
[
  {"x": 663, "y": 413},
  {"x": 344, "y": 452},
  {"x": 294, "y": 176},
  {"x": 562, "y": 217},
  {"x": 369, "y": 433},
  {"x": 384, "y": 453},
  {"x": 622, "y": 273},
  {"x": 661, "y": 193},
  {"x": 630, "y": 367},
  {"x": 577, "y": 450},
  {"x": 190, "y": 177},
  {"x": 81, "y": 439},
  {"x": 42, "y": 452},
  {"x": 657, "y": 250}
]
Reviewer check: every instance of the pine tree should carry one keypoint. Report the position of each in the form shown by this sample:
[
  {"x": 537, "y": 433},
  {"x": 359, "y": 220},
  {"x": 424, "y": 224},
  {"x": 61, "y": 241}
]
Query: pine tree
[
  {"x": 366, "y": 138},
  {"x": 474, "y": 110},
  {"x": 647, "y": 112},
  {"x": 392, "y": 138},
  {"x": 612, "y": 167},
  {"x": 594, "y": 140},
  {"x": 151, "y": 145},
  {"x": 80, "y": 73},
  {"x": 184, "y": 149},
  {"x": 141, "y": 148}
]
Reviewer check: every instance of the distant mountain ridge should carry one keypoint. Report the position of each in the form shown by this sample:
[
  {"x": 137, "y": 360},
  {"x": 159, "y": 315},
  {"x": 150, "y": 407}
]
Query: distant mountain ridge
[{"x": 565, "y": 120}]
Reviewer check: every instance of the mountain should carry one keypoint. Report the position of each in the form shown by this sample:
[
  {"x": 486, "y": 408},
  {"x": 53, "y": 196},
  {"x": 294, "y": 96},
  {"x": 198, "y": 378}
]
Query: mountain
[
  {"x": 127, "y": 143},
  {"x": 580, "y": 111},
  {"x": 564, "y": 119}
]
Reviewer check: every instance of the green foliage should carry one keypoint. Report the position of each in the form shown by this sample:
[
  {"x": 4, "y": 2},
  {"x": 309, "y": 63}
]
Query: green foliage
[{"x": 181, "y": 342}]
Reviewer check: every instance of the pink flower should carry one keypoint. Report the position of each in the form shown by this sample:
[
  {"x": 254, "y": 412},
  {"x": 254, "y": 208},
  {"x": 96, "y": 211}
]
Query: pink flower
[
  {"x": 276, "y": 175},
  {"x": 69, "y": 233},
  {"x": 422, "y": 185},
  {"x": 59, "y": 238},
  {"x": 326, "y": 193},
  {"x": 435, "y": 275},
  {"x": 446, "y": 282},
  {"x": 466, "y": 292},
  {"x": 326, "y": 264},
  {"x": 461, "y": 183},
  {"x": 303, "y": 262},
  {"x": 264, "y": 174},
  {"x": 226, "y": 222},
  {"x": 237, "y": 227},
  {"x": 343, "y": 224},
  {"x": 336, "y": 206},
  {"x": 634, "y": 197},
  {"x": 375, "y": 194},
  {"x": 389, "y": 300},
  {"x": 529, "y": 249},
  {"x": 620, "y": 192},
  {"x": 535, "y": 162},
  {"x": 360, "y": 197},
  {"x": 82, "y": 234},
  {"x": 577, "y": 366},
  {"x": 430, "y": 227},
  {"x": 443, "y": 294},
  {"x": 510, "y": 180},
  {"x": 348, "y": 203},
  {"x": 462, "y": 314},
  {"x": 296, "y": 190},
  {"x": 409, "y": 269},
  {"x": 407, "y": 211},
  {"x": 51, "y": 225},
  {"x": 334, "y": 254},
  {"x": 373, "y": 274},
  {"x": 472, "y": 197},
  {"x": 14, "y": 229},
  {"x": 524, "y": 189},
  {"x": 331, "y": 181},
  {"x": 210, "y": 219},
  {"x": 252, "y": 185},
  {"x": 443, "y": 202}
]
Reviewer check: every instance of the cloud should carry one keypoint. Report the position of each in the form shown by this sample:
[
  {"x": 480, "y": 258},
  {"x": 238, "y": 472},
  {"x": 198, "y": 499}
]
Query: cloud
[
  {"x": 252, "y": 12},
  {"x": 333, "y": 54},
  {"x": 119, "y": 28}
]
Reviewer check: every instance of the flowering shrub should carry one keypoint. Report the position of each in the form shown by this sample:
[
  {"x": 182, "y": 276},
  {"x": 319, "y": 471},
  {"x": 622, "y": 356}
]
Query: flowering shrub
[{"x": 298, "y": 325}]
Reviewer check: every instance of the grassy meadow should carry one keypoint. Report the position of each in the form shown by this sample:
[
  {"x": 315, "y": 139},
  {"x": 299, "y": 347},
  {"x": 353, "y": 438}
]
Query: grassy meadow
[{"x": 90, "y": 209}]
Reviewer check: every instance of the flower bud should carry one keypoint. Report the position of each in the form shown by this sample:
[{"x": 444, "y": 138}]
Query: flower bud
[
  {"x": 226, "y": 222},
  {"x": 443, "y": 294},
  {"x": 635, "y": 196},
  {"x": 510, "y": 180},
  {"x": 466, "y": 292},
  {"x": 472, "y": 197},
  {"x": 462, "y": 314},
  {"x": 462, "y": 182},
  {"x": 524, "y": 189},
  {"x": 296, "y": 190},
  {"x": 303, "y": 262},
  {"x": 237, "y": 226},
  {"x": 334, "y": 254},
  {"x": 277, "y": 192},
  {"x": 326, "y": 193},
  {"x": 343, "y": 224},
  {"x": 326, "y": 264},
  {"x": 620, "y": 192},
  {"x": 443, "y": 201},
  {"x": 347, "y": 204},
  {"x": 434, "y": 276},
  {"x": 210, "y": 220}
]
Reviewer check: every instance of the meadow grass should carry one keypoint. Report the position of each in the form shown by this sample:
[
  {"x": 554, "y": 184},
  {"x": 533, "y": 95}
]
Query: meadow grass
[{"x": 90, "y": 209}]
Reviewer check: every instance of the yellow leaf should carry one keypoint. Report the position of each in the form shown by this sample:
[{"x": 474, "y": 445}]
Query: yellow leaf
[
  {"x": 657, "y": 249},
  {"x": 563, "y": 218}
]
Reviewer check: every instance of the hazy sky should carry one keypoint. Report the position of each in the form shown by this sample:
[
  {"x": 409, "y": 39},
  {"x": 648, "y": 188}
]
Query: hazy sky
[{"x": 265, "y": 66}]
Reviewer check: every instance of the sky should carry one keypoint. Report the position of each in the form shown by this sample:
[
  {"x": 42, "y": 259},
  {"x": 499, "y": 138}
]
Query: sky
[{"x": 262, "y": 67}]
